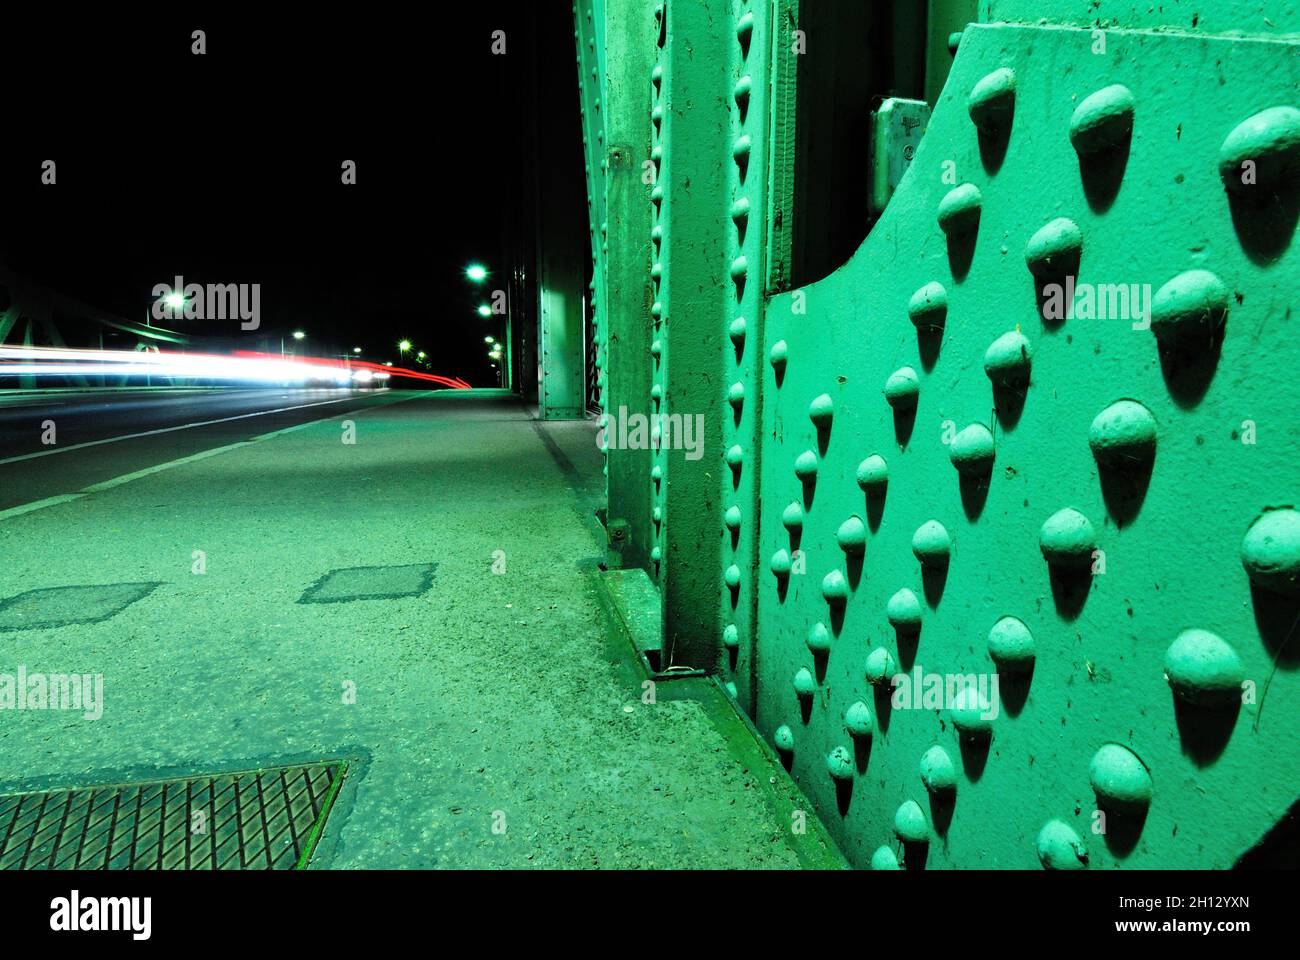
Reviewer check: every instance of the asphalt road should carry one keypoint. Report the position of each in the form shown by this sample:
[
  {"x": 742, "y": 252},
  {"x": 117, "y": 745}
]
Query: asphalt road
[{"x": 102, "y": 434}]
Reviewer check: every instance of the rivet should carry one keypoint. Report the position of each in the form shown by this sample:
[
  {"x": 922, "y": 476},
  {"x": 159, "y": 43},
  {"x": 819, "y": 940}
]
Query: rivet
[
  {"x": 736, "y": 395},
  {"x": 656, "y": 554},
  {"x": 739, "y": 267},
  {"x": 735, "y": 457},
  {"x": 928, "y": 307},
  {"x": 937, "y": 771},
  {"x": 821, "y": 410},
  {"x": 657, "y": 194},
  {"x": 732, "y": 517},
  {"x": 657, "y": 153},
  {"x": 1007, "y": 360},
  {"x": 1067, "y": 539},
  {"x": 904, "y": 612},
  {"x": 737, "y": 331},
  {"x": 740, "y": 210},
  {"x": 884, "y": 859},
  {"x": 1055, "y": 249},
  {"x": 656, "y": 473},
  {"x": 804, "y": 684},
  {"x": 805, "y": 465},
  {"x": 1203, "y": 669},
  {"x": 910, "y": 824},
  {"x": 1123, "y": 435},
  {"x": 1102, "y": 119},
  {"x": 902, "y": 388},
  {"x": 852, "y": 536},
  {"x": 1270, "y": 551},
  {"x": 657, "y": 514},
  {"x": 992, "y": 101},
  {"x": 819, "y": 638},
  {"x": 744, "y": 29},
  {"x": 792, "y": 517},
  {"x": 835, "y": 589},
  {"x": 1270, "y": 142},
  {"x": 656, "y": 348},
  {"x": 740, "y": 149},
  {"x": 971, "y": 712},
  {"x": 657, "y": 234},
  {"x": 780, "y": 564},
  {"x": 657, "y": 310},
  {"x": 873, "y": 475},
  {"x": 657, "y": 115},
  {"x": 656, "y": 393},
  {"x": 732, "y": 577},
  {"x": 1059, "y": 847},
  {"x": 931, "y": 544},
  {"x": 656, "y": 271},
  {"x": 880, "y": 667},
  {"x": 1119, "y": 779},
  {"x": 857, "y": 719},
  {"x": 959, "y": 210},
  {"x": 1191, "y": 306},
  {"x": 839, "y": 763},
  {"x": 657, "y": 74},
  {"x": 778, "y": 355},
  {"x": 783, "y": 739},
  {"x": 1011, "y": 645},
  {"x": 972, "y": 452},
  {"x": 741, "y": 91}
]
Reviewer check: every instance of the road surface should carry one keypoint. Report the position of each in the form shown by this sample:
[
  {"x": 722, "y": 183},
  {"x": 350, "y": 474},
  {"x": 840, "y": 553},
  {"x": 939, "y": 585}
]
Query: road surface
[{"x": 459, "y": 662}]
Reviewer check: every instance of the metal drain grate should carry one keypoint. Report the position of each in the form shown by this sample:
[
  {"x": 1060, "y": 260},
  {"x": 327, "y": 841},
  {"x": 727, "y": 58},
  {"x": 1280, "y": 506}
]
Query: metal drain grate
[{"x": 257, "y": 820}]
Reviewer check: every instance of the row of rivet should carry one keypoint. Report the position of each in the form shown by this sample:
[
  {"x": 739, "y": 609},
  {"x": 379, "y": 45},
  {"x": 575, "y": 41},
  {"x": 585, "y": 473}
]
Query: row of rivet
[
  {"x": 738, "y": 425},
  {"x": 659, "y": 138}
]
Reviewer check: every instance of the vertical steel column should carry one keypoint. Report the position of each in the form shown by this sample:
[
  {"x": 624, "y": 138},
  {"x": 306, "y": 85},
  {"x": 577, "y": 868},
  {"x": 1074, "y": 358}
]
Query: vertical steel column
[{"x": 690, "y": 197}]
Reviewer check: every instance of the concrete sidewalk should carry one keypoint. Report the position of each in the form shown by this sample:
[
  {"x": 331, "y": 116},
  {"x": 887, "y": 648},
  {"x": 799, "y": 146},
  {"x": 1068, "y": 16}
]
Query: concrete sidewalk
[{"x": 490, "y": 698}]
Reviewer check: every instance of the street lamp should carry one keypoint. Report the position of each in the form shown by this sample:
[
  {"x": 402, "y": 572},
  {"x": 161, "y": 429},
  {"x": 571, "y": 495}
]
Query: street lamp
[
  {"x": 356, "y": 349},
  {"x": 403, "y": 346},
  {"x": 299, "y": 335},
  {"x": 476, "y": 272},
  {"x": 484, "y": 310}
]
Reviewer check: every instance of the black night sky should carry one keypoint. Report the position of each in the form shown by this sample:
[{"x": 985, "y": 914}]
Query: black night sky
[{"x": 225, "y": 168}]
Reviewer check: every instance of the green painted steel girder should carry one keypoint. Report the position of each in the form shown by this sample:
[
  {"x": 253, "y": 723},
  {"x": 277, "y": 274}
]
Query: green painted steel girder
[{"x": 992, "y": 531}]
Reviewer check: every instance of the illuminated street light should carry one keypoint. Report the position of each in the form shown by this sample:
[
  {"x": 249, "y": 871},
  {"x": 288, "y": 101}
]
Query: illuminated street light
[
  {"x": 299, "y": 335},
  {"x": 476, "y": 272},
  {"x": 420, "y": 355},
  {"x": 174, "y": 300},
  {"x": 356, "y": 349},
  {"x": 404, "y": 345},
  {"x": 484, "y": 310},
  {"x": 489, "y": 339}
]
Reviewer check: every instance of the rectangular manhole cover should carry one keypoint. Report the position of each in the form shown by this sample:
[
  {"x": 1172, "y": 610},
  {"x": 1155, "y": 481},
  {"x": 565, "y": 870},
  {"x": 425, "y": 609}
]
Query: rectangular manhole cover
[
  {"x": 65, "y": 606},
  {"x": 258, "y": 820},
  {"x": 371, "y": 583}
]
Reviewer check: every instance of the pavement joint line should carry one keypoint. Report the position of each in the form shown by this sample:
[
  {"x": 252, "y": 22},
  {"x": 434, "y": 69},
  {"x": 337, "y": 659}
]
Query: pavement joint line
[{"x": 201, "y": 455}]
